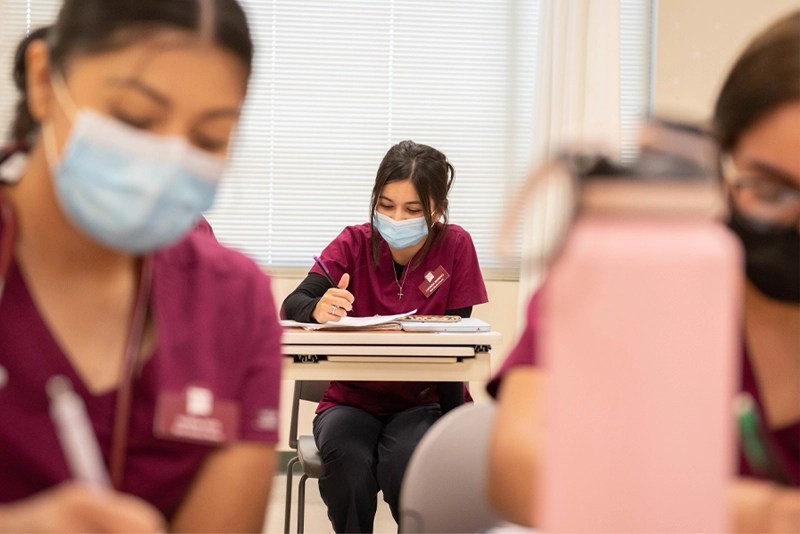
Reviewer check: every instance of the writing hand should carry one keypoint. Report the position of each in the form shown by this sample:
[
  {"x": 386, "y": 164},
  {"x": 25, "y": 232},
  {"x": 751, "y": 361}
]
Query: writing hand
[
  {"x": 335, "y": 303},
  {"x": 75, "y": 507}
]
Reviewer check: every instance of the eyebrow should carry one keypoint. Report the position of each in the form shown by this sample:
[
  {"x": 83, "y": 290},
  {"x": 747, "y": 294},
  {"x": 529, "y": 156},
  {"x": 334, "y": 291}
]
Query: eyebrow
[
  {"x": 774, "y": 172},
  {"x": 133, "y": 83},
  {"x": 164, "y": 101},
  {"x": 406, "y": 204}
]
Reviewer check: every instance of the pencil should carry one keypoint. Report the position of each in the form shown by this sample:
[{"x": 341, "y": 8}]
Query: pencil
[{"x": 325, "y": 270}]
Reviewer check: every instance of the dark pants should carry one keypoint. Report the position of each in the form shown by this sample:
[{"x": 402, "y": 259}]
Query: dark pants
[{"x": 364, "y": 454}]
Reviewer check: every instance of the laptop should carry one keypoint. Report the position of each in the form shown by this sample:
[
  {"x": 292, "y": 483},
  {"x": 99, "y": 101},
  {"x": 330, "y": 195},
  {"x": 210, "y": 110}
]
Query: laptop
[{"x": 468, "y": 324}]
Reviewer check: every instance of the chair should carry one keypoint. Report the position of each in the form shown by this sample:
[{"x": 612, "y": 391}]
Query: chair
[
  {"x": 444, "y": 489},
  {"x": 307, "y": 453}
]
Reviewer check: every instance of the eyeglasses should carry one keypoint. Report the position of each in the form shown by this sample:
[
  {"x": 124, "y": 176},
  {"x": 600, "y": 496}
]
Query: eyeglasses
[{"x": 768, "y": 199}]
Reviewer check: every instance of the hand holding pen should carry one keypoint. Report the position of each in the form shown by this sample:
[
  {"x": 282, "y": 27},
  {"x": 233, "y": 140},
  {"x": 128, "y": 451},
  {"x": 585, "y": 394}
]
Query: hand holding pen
[
  {"x": 87, "y": 503},
  {"x": 75, "y": 434},
  {"x": 75, "y": 507},
  {"x": 336, "y": 301}
]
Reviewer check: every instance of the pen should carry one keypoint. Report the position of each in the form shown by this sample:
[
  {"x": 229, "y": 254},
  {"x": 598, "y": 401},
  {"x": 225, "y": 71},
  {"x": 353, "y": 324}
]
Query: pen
[
  {"x": 754, "y": 446},
  {"x": 318, "y": 261},
  {"x": 74, "y": 431}
]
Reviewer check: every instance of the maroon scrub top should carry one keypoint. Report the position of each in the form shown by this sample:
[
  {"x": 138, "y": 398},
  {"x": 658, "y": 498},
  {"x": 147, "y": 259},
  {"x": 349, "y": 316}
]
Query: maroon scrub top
[
  {"x": 784, "y": 443},
  {"x": 217, "y": 328},
  {"x": 375, "y": 288}
]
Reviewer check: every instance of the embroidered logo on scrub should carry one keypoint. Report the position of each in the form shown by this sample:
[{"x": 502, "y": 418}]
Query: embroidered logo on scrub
[
  {"x": 195, "y": 415},
  {"x": 433, "y": 280},
  {"x": 267, "y": 419}
]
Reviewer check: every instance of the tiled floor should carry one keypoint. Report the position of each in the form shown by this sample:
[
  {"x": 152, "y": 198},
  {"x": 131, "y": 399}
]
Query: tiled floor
[{"x": 316, "y": 519}]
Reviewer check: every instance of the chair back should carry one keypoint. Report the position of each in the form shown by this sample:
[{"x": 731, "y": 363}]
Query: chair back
[
  {"x": 307, "y": 390},
  {"x": 444, "y": 489}
]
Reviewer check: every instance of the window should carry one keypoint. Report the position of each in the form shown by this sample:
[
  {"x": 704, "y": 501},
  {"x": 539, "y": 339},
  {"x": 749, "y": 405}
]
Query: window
[
  {"x": 336, "y": 84},
  {"x": 635, "y": 42},
  {"x": 18, "y": 18}
]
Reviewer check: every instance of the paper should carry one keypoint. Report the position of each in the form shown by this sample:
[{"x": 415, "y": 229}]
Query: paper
[{"x": 351, "y": 323}]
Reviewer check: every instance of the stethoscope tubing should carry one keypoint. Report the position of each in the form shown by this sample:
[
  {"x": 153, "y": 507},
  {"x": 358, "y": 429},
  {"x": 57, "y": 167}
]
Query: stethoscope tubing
[{"x": 8, "y": 238}]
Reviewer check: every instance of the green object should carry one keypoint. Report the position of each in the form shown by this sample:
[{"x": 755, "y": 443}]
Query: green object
[{"x": 751, "y": 437}]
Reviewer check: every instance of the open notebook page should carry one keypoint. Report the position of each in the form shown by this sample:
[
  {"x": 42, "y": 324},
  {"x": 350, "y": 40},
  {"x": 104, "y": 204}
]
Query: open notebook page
[{"x": 352, "y": 323}]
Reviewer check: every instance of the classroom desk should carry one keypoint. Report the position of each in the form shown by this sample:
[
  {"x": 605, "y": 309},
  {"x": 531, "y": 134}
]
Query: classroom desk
[{"x": 387, "y": 355}]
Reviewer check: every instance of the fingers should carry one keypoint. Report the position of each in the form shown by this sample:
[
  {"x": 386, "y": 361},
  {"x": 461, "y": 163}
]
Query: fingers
[
  {"x": 333, "y": 308},
  {"x": 73, "y": 507},
  {"x": 341, "y": 298},
  {"x": 344, "y": 281},
  {"x": 336, "y": 303},
  {"x": 125, "y": 513},
  {"x": 336, "y": 313}
]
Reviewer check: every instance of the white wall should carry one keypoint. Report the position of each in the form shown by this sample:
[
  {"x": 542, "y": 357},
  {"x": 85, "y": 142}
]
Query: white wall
[
  {"x": 697, "y": 42},
  {"x": 500, "y": 312}
]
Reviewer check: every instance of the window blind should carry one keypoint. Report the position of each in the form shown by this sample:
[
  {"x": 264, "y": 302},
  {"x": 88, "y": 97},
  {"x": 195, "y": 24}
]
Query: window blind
[
  {"x": 636, "y": 29},
  {"x": 335, "y": 85},
  {"x": 18, "y": 18}
]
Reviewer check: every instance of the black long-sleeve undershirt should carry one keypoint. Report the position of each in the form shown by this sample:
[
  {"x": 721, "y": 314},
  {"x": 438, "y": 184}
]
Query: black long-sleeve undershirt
[{"x": 299, "y": 305}]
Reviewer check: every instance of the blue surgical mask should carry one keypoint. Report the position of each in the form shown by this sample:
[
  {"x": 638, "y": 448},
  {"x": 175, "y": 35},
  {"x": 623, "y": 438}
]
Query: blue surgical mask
[
  {"x": 128, "y": 189},
  {"x": 400, "y": 234}
]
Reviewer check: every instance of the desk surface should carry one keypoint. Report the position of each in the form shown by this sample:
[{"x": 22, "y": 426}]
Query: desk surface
[
  {"x": 389, "y": 355},
  {"x": 292, "y": 336}
]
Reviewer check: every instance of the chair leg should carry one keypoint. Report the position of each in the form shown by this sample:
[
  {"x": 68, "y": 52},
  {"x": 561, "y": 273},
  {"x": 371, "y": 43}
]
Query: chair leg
[
  {"x": 288, "y": 512},
  {"x": 301, "y": 504}
]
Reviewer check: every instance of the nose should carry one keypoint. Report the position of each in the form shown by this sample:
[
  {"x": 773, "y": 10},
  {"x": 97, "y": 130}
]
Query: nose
[
  {"x": 397, "y": 214},
  {"x": 175, "y": 127}
]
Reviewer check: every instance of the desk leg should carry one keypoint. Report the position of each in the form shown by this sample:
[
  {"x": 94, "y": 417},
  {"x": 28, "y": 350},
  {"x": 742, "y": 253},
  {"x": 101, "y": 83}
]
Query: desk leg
[{"x": 451, "y": 395}]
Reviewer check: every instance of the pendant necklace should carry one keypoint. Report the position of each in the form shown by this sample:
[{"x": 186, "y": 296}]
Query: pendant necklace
[{"x": 401, "y": 282}]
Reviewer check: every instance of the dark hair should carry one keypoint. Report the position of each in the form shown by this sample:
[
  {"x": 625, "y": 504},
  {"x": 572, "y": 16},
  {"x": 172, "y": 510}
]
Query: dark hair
[
  {"x": 432, "y": 177},
  {"x": 24, "y": 124},
  {"x": 94, "y": 26},
  {"x": 765, "y": 77}
]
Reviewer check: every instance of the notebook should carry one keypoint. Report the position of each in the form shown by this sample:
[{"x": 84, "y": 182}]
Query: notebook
[
  {"x": 468, "y": 324},
  {"x": 375, "y": 322}
]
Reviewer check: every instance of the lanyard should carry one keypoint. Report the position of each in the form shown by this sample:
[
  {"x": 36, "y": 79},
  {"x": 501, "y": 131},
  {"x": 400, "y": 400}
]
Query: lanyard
[
  {"x": 133, "y": 344},
  {"x": 8, "y": 221}
]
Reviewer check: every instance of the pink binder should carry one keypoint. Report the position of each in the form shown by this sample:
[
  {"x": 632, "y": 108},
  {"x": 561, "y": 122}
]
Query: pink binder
[{"x": 639, "y": 341}]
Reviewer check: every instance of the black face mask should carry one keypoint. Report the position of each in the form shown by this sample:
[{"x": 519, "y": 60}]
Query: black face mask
[{"x": 772, "y": 257}]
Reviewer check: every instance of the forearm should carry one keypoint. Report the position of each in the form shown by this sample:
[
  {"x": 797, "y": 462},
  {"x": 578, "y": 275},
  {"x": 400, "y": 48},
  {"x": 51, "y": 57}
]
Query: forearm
[
  {"x": 514, "y": 449},
  {"x": 300, "y": 303},
  {"x": 231, "y": 491},
  {"x": 512, "y": 479}
]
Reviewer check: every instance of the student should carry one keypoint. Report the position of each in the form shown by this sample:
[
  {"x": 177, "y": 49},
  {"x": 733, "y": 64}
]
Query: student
[
  {"x": 366, "y": 431},
  {"x": 115, "y": 283},
  {"x": 757, "y": 124}
]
